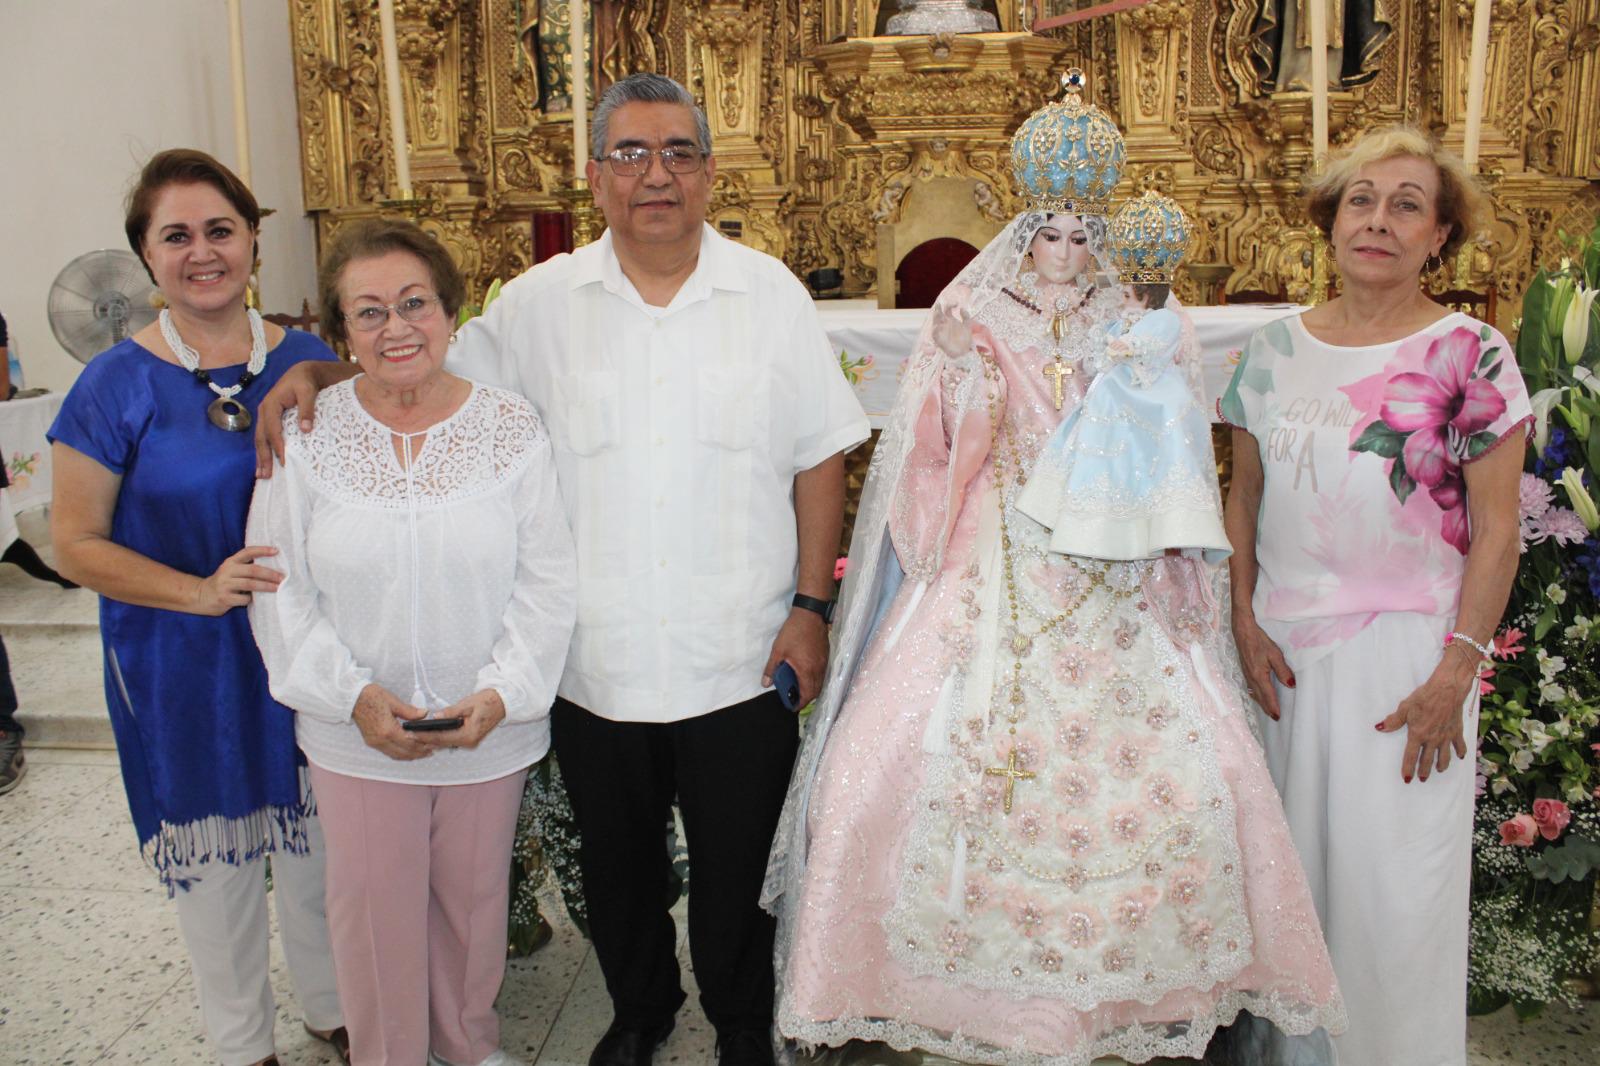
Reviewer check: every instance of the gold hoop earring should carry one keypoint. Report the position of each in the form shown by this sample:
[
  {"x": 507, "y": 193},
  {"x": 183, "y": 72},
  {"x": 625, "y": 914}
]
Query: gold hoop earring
[{"x": 1433, "y": 264}]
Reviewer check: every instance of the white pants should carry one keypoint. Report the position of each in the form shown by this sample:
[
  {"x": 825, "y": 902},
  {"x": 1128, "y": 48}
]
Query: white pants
[
  {"x": 223, "y": 916},
  {"x": 1389, "y": 863}
]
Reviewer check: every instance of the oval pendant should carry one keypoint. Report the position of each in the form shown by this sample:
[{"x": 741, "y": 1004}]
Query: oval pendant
[{"x": 227, "y": 413}]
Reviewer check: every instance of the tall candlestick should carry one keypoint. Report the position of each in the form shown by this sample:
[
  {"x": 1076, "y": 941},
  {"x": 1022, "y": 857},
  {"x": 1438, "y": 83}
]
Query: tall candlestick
[
  {"x": 241, "y": 124},
  {"x": 397, "y": 105},
  {"x": 1477, "y": 70},
  {"x": 1319, "y": 80},
  {"x": 580, "y": 90}
]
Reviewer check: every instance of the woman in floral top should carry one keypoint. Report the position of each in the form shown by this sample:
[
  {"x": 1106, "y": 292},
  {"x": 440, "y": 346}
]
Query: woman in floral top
[{"x": 1373, "y": 516}]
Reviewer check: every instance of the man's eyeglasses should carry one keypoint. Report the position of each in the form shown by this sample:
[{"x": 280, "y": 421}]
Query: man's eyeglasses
[
  {"x": 369, "y": 317},
  {"x": 676, "y": 158}
]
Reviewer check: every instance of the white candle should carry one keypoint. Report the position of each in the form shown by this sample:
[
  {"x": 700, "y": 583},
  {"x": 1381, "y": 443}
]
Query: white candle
[
  {"x": 397, "y": 106},
  {"x": 1477, "y": 64},
  {"x": 580, "y": 91},
  {"x": 241, "y": 125},
  {"x": 1319, "y": 79}
]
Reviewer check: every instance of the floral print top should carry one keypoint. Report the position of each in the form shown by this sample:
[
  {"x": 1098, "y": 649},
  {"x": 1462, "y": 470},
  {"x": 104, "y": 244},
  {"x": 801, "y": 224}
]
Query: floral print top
[{"x": 1364, "y": 507}]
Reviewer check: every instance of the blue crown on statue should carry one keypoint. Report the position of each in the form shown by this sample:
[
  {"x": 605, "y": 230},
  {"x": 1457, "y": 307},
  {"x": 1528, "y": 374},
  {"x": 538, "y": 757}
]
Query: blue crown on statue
[
  {"x": 1146, "y": 238},
  {"x": 1068, "y": 155}
]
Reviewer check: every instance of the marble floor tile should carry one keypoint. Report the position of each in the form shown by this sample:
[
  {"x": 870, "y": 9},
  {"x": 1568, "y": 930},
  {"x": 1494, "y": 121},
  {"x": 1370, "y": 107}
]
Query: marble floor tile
[
  {"x": 91, "y": 846},
  {"x": 82, "y": 967},
  {"x": 47, "y": 792}
]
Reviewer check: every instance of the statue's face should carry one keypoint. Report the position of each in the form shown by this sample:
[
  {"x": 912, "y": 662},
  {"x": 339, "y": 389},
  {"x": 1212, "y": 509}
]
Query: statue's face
[
  {"x": 1388, "y": 223},
  {"x": 1060, "y": 249}
]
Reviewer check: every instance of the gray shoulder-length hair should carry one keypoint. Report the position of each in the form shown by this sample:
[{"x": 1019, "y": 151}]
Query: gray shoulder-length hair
[{"x": 644, "y": 89}]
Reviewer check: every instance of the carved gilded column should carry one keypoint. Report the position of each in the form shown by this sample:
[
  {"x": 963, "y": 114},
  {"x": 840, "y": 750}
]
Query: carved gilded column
[
  {"x": 1503, "y": 94},
  {"x": 1154, "y": 103},
  {"x": 440, "y": 47}
]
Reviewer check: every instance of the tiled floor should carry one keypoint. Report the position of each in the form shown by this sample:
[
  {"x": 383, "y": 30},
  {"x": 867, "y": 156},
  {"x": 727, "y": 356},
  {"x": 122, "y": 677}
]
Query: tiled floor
[{"x": 92, "y": 969}]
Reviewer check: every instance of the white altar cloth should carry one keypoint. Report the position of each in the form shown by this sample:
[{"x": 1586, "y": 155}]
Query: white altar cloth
[
  {"x": 860, "y": 328},
  {"x": 24, "y": 450}
]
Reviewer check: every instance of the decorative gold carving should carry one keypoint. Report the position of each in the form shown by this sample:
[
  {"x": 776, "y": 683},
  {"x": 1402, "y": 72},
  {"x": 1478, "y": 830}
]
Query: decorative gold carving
[{"x": 823, "y": 133}]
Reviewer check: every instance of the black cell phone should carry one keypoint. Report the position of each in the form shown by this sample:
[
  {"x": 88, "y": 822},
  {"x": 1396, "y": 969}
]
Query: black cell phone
[
  {"x": 431, "y": 725},
  {"x": 787, "y": 684}
]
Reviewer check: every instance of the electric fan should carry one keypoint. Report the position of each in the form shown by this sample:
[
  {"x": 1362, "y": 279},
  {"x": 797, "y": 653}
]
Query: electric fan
[{"x": 99, "y": 299}]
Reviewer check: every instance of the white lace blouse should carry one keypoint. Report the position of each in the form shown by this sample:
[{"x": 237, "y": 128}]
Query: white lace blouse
[{"x": 437, "y": 580}]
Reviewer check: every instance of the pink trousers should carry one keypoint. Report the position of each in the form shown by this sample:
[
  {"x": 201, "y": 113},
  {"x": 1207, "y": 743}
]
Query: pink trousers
[{"x": 418, "y": 878}]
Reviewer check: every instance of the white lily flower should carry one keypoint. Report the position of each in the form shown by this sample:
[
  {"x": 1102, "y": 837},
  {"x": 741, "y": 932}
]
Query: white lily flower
[
  {"x": 1544, "y": 401},
  {"x": 1582, "y": 502},
  {"x": 1575, "y": 326}
]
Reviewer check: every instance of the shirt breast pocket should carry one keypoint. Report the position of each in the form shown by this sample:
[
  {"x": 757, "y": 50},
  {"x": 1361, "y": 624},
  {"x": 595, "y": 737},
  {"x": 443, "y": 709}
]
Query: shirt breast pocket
[
  {"x": 589, "y": 417},
  {"x": 727, "y": 406}
]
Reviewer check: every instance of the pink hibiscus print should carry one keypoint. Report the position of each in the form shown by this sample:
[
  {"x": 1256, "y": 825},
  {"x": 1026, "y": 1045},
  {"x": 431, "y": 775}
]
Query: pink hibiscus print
[{"x": 1444, "y": 407}]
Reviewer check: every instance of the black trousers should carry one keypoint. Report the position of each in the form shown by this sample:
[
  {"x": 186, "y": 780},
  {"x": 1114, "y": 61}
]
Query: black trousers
[
  {"x": 8, "y": 695},
  {"x": 729, "y": 771}
]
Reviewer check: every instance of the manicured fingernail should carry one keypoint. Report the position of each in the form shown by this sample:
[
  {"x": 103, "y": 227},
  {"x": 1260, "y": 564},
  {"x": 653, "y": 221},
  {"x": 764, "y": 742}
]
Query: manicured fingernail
[
  {"x": 1291, "y": 682},
  {"x": 1379, "y": 727},
  {"x": 1407, "y": 780}
]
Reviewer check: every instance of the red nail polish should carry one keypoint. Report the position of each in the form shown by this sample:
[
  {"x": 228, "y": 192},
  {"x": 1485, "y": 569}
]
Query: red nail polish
[
  {"x": 1379, "y": 727},
  {"x": 1291, "y": 682},
  {"x": 1407, "y": 780}
]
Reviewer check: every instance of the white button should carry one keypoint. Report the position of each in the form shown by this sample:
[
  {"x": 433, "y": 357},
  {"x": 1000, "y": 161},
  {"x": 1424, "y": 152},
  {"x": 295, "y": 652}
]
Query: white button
[
  {"x": 662, "y": 564},
  {"x": 661, "y": 501},
  {"x": 663, "y": 623},
  {"x": 661, "y": 381},
  {"x": 661, "y": 441}
]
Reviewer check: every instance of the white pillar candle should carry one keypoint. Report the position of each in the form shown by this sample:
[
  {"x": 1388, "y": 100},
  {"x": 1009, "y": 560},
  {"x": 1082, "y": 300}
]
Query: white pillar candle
[
  {"x": 397, "y": 107},
  {"x": 1319, "y": 80},
  {"x": 580, "y": 90},
  {"x": 1477, "y": 71},
  {"x": 241, "y": 124}
]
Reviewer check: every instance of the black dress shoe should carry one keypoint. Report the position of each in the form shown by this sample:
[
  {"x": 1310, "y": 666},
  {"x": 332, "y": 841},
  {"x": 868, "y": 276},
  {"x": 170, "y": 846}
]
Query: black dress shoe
[
  {"x": 745, "y": 1047},
  {"x": 628, "y": 1046}
]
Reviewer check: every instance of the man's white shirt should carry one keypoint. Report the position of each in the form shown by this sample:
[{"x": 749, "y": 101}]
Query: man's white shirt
[{"x": 677, "y": 434}]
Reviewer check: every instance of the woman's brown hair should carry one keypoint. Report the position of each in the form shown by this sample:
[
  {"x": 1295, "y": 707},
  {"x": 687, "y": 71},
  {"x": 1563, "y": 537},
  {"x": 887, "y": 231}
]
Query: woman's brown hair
[
  {"x": 373, "y": 237},
  {"x": 184, "y": 166}
]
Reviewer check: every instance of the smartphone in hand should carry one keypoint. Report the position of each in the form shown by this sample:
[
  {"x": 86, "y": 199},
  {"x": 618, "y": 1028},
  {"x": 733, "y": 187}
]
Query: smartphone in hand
[
  {"x": 787, "y": 683},
  {"x": 431, "y": 725}
]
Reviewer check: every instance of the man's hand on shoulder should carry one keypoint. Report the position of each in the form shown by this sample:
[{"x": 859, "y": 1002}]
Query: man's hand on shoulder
[{"x": 296, "y": 389}]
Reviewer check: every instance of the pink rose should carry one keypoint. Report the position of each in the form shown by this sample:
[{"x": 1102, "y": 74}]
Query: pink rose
[
  {"x": 1551, "y": 816},
  {"x": 1519, "y": 831}
]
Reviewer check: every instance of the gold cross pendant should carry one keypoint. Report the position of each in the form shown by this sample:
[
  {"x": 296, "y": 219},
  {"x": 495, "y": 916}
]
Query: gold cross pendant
[
  {"x": 1060, "y": 371},
  {"x": 1012, "y": 775}
]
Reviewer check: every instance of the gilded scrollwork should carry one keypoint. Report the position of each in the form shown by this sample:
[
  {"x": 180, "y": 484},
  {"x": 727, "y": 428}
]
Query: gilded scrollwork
[{"x": 824, "y": 133}]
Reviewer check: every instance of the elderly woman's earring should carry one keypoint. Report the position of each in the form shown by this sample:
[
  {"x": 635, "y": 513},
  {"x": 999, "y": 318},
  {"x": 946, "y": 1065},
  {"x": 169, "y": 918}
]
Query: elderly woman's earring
[{"x": 1433, "y": 264}]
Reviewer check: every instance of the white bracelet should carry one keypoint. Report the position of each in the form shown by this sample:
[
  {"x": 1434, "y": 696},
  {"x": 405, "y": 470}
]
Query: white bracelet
[{"x": 1485, "y": 652}]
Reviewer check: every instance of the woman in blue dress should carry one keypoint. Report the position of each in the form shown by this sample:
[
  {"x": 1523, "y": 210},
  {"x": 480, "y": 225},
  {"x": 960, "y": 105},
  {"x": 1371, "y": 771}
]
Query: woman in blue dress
[{"x": 153, "y": 478}]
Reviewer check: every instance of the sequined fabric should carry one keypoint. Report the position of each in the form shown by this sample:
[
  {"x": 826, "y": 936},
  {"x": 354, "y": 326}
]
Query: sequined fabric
[{"x": 1112, "y": 908}]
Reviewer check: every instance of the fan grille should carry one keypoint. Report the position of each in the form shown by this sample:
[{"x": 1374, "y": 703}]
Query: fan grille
[{"x": 98, "y": 300}]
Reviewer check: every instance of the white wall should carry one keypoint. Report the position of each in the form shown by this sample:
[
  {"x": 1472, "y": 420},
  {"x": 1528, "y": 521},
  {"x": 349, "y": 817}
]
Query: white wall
[{"x": 90, "y": 89}]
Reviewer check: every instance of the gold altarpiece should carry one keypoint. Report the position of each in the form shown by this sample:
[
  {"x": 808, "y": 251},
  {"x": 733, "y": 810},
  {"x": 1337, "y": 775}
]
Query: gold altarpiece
[{"x": 837, "y": 148}]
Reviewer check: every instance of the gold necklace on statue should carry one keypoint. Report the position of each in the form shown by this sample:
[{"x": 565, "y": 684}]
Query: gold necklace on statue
[
  {"x": 1058, "y": 369},
  {"x": 1004, "y": 449}
]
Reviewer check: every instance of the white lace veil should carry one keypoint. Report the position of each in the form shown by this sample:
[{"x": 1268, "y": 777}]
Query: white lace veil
[{"x": 874, "y": 574}]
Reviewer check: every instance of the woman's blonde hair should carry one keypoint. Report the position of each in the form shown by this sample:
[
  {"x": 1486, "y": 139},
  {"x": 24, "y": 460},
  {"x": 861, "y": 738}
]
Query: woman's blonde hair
[{"x": 1462, "y": 203}]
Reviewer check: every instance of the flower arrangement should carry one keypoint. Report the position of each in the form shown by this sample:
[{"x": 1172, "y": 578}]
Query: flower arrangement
[
  {"x": 1536, "y": 839},
  {"x": 855, "y": 369}
]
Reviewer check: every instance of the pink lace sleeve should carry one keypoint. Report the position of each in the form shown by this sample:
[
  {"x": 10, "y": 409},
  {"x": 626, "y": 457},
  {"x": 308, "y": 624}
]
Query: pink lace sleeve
[{"x": 951, "y": 439}]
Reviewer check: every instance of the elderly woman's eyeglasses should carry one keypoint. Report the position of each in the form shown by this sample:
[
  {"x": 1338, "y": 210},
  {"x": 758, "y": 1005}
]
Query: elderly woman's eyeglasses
[
  {"x": 369, "y": 317},
  {"x": 676, "y": 158}
]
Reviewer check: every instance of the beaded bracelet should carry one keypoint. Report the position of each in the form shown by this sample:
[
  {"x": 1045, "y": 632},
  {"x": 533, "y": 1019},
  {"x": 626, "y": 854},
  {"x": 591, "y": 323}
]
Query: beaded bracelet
[{"x": 1464, "y": 639}]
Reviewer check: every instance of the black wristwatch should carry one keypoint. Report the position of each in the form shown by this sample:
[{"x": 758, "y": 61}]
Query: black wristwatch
[{"x": 811, "y": 603}]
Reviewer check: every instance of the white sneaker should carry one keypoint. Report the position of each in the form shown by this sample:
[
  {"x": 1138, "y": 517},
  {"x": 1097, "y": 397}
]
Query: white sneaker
[{"x": 496, "y": 1058}]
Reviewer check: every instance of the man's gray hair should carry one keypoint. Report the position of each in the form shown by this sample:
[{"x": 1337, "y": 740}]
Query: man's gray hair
[{"x": 644, "y": 89}]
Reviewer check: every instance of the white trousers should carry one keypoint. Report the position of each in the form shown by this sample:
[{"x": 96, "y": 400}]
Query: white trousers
[
  {"x": 1389, "y": 863},
  {"x": 223, "y": 916}
]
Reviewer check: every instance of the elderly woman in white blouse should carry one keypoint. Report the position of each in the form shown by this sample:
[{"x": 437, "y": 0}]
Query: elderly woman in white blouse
[{"x": 419, "y": 633}]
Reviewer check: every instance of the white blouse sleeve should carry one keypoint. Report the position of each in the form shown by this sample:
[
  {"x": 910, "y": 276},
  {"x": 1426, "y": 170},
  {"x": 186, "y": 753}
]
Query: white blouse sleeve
[
  {"x": 527, "y": 661},
  {"x": 308, "y": 666}
]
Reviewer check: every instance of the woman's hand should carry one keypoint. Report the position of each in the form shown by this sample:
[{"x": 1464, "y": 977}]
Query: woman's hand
[
  {"x": 1432, "y": 718},
  {"x": 378, "y": 714},
  {"x": 234, "y": 581},
  {"x": 479, "y": 714},
  {"x": 1262, "y": 661}
]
